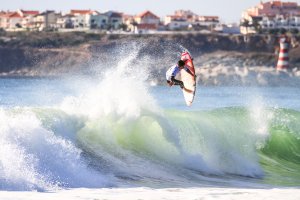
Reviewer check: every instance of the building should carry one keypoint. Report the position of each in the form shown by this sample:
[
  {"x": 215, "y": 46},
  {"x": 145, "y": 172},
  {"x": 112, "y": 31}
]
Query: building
[
  {"x": 46, "y": 20},
  {"x": 17, "y": 20},
  {"x": 66, "y": 21},
  {"x": 115, "y": 20},
  {"x": 184, "y": 19},
  {"x": 83, "y": 19},
  {"x": 99, "y": 21},
  {"x": 186, "y": 14},
  {"x": 10, "y": 20},
  {"x": 208, "y": 21},
  {"x": 270, "y": 15},
  {"x": 177, "y": 24},
  {"x": 28, "y": 18},
  {"x": 180, "y": 20},
  {"x": 128, "y": 21},
  {"x": 2, "y": 19},
  {"x": 146, "y": 22},
  {"x": 228, "y": 28},
  {"x": 147, "y": 17}
]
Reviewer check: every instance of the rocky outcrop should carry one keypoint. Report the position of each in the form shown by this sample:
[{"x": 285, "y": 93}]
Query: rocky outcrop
[{"x": 219, "y": 59}]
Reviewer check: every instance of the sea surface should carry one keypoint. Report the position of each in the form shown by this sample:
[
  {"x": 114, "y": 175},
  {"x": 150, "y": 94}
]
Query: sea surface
[
  {"x": 118, "y": 135},
  {"x": 66, "y": 133}
]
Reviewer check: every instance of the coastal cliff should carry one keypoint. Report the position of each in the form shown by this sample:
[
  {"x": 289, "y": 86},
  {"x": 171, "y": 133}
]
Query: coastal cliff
[{"x": 219, "y": 59}]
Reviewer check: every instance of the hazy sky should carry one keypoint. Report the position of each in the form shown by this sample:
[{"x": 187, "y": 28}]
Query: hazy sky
[{"x": 227, "y": 10}]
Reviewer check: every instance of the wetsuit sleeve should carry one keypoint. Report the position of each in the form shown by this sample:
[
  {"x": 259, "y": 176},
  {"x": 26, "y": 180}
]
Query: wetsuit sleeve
[{"x": 175, "y": 71}]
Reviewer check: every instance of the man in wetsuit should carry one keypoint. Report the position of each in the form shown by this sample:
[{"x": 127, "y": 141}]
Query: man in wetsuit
[{"x": 173, "y": 71}]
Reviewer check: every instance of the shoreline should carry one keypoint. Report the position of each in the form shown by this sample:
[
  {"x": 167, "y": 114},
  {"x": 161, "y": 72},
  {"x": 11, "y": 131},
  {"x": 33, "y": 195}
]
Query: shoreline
[
  {"x": 144, "y": 193},
  {"x": 256, "y": 76}
]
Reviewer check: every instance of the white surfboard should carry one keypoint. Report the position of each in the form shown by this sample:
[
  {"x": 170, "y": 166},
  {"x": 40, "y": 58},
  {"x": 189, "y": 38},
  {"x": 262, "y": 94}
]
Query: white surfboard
[{"x": 188, "y": 80}]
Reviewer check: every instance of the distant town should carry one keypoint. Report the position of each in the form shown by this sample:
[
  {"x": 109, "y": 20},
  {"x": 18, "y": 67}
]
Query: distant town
[{"x": 265, "y": 17}]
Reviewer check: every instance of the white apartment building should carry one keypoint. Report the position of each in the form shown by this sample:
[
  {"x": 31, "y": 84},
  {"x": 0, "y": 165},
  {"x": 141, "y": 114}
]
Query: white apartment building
[{"x": 271, "y": 15}]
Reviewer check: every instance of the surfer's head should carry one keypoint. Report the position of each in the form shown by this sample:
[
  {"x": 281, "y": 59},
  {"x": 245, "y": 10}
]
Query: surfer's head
[{"x": 180, "y": 63}]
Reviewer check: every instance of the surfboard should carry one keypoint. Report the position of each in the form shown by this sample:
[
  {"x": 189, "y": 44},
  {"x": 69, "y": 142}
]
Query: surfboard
[{"x": 188, "y": 80}]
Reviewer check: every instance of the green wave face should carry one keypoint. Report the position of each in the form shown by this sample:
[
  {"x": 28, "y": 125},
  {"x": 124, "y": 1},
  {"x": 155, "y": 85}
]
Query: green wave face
[
  {"x": 260, "y": 144},
  {"x": 280, "y": 155}
]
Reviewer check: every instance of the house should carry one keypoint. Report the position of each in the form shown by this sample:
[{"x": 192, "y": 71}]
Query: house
[
  {"x": 10, "y": 20},
  {"x": 205, "y": 22},
  {"x": 128, "y": 21},
  {"x": 209, "y": 21},
  {"x": 17, "y": 20},
  {"x": 99, "y": 21},
  {"x": 176, "y": 23},
  {"x": 146, "y": 22},
  {"x": 183, "y": 19},
  {"x": 180, "y": 20},
  {"x": 270, "y": 15},
  {"x": 147, "y": 17},
  {"x": 115, "y": 19},
  {"x": 186, "y": 14},
  {"x": 82, "y": 18},
  {"x": 66, "y": 21},
  {"x": 46, "y": 20},
  {"x": 271, "y": 8},
  {"x": 28, "y": 18},
  {"x": 227, "y": 28},
  {"x": 4, "y": 19},
  {"x": 145, "y": 28}
]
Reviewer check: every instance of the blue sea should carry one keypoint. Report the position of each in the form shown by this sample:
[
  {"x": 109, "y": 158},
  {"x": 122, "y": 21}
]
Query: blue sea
[{"x": 119, "y": 131}]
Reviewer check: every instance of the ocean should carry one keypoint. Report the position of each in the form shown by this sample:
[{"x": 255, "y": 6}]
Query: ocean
[{"x": 117, "y": 136}]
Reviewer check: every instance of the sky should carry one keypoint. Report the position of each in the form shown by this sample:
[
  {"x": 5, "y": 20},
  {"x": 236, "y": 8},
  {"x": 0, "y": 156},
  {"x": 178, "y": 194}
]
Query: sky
[{"x": 228, "y": 10}]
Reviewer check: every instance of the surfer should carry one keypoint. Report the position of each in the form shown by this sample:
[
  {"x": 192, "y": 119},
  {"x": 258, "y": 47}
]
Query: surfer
[{"x": 173, "y": 71}]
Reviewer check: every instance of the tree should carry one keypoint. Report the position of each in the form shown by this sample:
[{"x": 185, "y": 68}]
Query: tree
[
  {"x": 18, "y": 25},
  {"x": 123, "y": 27},
  {"x": 256, "y": 25},
  {"x": 245, "y": 23},
  {"x": 134, "y": 24}
]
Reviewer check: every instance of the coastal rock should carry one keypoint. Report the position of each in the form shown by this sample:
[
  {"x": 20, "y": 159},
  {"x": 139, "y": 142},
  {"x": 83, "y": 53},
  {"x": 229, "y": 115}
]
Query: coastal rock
[{"x": 219, "y": 59}]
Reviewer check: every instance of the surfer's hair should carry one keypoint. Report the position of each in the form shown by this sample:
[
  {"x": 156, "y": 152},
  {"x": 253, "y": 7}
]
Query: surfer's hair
[{"x": 181, "y": 63}]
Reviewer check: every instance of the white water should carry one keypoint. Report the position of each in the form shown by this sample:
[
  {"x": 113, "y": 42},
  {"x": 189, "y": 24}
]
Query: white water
[{"x": 116, "y": 133}]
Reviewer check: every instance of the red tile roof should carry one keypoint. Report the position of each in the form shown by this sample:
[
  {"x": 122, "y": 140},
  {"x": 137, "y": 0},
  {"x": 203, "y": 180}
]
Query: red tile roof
[
  {"x": 276, "y": 3},
  {"x": 81, "y": 12},
  {"x": 15, "y": 15},
  {"x": 147, "y": 12},
  {"x": 280, "y": 3},
  {"x": 6, "y": 14},
  {"x": 2, "y": 13},
  {"x": 30, "y": 12}
]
